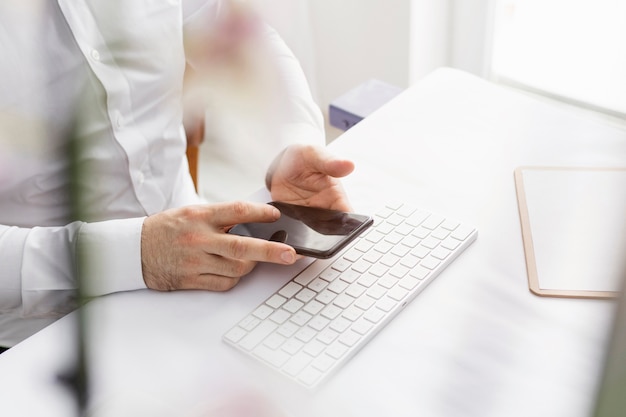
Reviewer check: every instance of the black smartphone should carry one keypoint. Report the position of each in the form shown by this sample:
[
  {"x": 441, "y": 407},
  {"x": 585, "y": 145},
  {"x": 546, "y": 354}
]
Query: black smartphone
[{"x": 311, "y": 231}]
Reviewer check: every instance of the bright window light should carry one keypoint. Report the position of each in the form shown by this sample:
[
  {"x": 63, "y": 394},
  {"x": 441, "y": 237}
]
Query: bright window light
[{"x": 571, "y": 49}]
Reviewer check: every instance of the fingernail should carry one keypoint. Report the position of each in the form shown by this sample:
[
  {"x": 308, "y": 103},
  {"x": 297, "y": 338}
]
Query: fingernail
[{"x": 288, "y": 257}]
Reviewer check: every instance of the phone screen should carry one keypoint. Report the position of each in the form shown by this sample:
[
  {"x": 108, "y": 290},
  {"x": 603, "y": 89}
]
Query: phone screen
[{"x": 311, "y": 231}]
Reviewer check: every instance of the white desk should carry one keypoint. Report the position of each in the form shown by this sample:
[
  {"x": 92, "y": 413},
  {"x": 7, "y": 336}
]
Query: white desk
[{"x": 476, "y": 342}]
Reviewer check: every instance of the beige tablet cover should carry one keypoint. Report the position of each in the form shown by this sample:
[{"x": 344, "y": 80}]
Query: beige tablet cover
[{"x": 574, "y": 229}]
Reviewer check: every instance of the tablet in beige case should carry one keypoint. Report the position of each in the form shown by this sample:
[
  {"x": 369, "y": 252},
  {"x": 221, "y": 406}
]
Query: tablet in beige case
[{"x": 574, "y": 229}]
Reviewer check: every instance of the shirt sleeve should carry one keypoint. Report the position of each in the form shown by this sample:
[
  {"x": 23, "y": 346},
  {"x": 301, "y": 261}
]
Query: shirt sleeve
[
  {"x": 300, "y": 119},
  {"x": 40, "y": 265},
  {"x": 302, "y": 122}
]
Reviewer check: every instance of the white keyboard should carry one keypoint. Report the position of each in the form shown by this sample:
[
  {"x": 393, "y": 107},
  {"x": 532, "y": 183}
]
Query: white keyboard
[{"x": 324, "y": 315}]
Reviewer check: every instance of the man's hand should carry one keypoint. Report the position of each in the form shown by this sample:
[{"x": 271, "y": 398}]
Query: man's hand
[
  {"x": 309, "y": 176},
  {"x": 188, "y": 248}
]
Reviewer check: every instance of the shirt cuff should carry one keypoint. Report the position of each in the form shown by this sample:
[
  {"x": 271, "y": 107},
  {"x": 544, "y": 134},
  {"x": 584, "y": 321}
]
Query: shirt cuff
[{"x": 110, "y": 256}]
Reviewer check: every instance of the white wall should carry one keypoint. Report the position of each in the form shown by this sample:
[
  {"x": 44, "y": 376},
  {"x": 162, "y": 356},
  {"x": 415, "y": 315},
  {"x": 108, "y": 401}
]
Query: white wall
[
  {"x": 356, "y": 40},
  {"x": 342, "y": 43}
]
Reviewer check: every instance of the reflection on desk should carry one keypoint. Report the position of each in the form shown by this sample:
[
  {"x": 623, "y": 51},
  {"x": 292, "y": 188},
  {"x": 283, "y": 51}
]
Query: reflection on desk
[{"x": 476, "y": 342}]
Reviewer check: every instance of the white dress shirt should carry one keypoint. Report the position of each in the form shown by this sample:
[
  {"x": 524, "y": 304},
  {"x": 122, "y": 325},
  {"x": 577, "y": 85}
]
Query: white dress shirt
[{"x": 108, "y": 74}]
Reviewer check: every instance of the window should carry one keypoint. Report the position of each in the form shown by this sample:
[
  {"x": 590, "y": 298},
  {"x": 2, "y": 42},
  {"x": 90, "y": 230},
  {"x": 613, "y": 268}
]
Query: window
[{"x": 570, "y": 49}]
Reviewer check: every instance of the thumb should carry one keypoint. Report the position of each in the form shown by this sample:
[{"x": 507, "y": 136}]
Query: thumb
[
  {"x": 339, "y": 167},
  {"x": 330, "y": 165}
]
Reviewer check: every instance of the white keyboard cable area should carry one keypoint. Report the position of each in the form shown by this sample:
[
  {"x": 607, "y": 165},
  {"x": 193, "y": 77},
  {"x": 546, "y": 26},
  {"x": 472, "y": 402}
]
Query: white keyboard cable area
[{"x": 324, "y": 315}]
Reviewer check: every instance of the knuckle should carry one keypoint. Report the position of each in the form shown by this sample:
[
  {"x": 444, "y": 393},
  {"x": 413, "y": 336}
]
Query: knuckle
[
  {"x": 189, "y": 211},
  {"x": 227, "y": 284},
  {"x": 237, "y": 247},
  {"x": 240, "y": 269},
  {"x": 240, "y": 208}
]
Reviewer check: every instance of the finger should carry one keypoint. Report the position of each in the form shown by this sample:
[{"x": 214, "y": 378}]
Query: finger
[
  {"x": 252, "y": 249},
  {"x": 339, "y": 167},
  {"x": 216, "y": 265},
  {"x": 228, "y": 214},
  {"x": 328, "y": 164}
]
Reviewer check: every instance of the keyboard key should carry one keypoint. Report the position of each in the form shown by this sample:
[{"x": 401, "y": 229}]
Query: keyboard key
[
  {"x": 449, "y": 224},
  {"x": 362, "y": 326},
  {"x": 400, "y": 250},
  {"x": 275, "y": 357},
  {"x": 409, "y": 261},
  {"x": 419, "y": 272},
  {"x": 416, "y": 218},
  {"x": 337, "y": 350},
  {"x": 352, "y": 255},
  {"x": 305, "y": 295},
  {"x": 341, "y": 264},
  {"x": 276, "y": 301},
  {"x": 343, "y": 301},
  {"x": 397, "y": 293},
  {"x": 450, "y": 243},
  {"x": 330, "y": 274},
  {"x": 374, "y": 236},
  {"x": 249, "y": 323},
  {"x": 288, "y": 329},
  {"x": 363, "y": 245},
  {"x": 338, "y": 286},
  {"x": 235, "y": 334},
  {"x": 374, "y": 315},
  {"x": 274, "y": 341},
  {"x": 408, "y": 282},
  {"x": 440, "y": 233},
  {"x": 314, "y": 348},
  {"x": 297, "y": 363},
  {"x": 350, "y": 338},
  {"x": 292, "y": 346},
  {"x": 263, "y": 312},
  {"x": 432, "y": 221},
  {"x": 294, "y": 305},
  {"x": 323, "y": 363},
  {"x": 440, "y": 253},
  {"x": 318, "y": 323},
  {"x": 310, "y": 376},
  {"x": 306, "y": 334},
  {"x": 462, "y": 232},
  {"x": 326, "y": 296},
  {"x": 301, "y": 318},
  {"x": 352, "y": 313},
  {"x": 430, "y": 263},
  {"x": 257, "y": 335},
  {"x": 383, "y": 247},
  {"x": 313, "y": 307},
  {"x": 331, "y": 312},
  {"x": 327, "y": 336},
  {"x": 365, "y": 303},
  {"x": 280, "y": 316},
  {"x": 385, "y": 212},
  {"x": 318, "y": 284},
  {"x": 405, "y": 211},
  {"x": 290, "y": 289},
  {"x": 340, "y": 324},
  {"x": 355, "y": 290},
  {"x": 386, "y": 304},
  {"x": 367, "y": 280},
  {"x": 385, "y": 228},
  {"x": 389, "y": 259}
]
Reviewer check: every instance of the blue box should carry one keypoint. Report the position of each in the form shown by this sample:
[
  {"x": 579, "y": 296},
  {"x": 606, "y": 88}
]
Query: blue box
[{"x": 355, "y": 105}]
